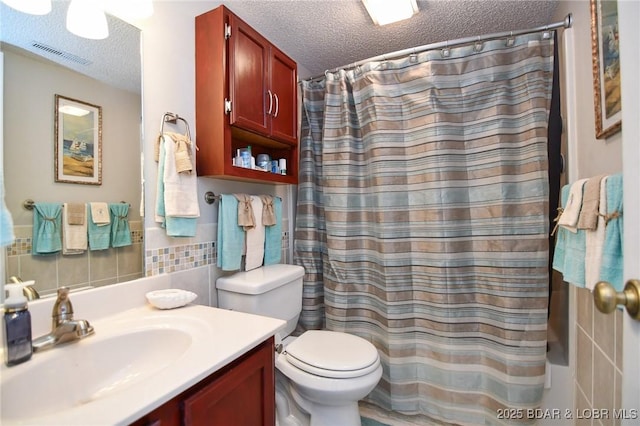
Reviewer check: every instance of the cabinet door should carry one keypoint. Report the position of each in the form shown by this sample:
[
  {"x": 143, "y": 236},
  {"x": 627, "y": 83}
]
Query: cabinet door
[
  {"x": 284, "y": 116},
  {"x": 243, "y": 395},
  {"x": 248, "y": 73}
]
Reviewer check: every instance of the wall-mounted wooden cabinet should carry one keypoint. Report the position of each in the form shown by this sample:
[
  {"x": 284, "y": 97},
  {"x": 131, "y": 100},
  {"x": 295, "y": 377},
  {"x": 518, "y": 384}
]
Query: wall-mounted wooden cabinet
[{"x": 246, "y": 94}]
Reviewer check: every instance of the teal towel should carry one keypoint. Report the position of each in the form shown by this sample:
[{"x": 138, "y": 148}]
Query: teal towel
[
  {"x": 175, "y": 226},
  {"x": 99, "y": 236},
  {"x": 273, "y": 236},
  {"x": 612, "y": 254},
  {"x": 120, "y": 231},
  {"x": 561, "y": 237},
  {"x": 230, "y": 239},
  {"x": 571, "y": 249},
  {"x": 47, "y": 228},
  {"x": 6, "y": 221}
]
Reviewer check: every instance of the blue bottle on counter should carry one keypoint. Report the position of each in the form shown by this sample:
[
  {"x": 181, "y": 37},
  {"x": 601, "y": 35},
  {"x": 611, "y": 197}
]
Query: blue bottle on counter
[{"x": 17, "y": 327}]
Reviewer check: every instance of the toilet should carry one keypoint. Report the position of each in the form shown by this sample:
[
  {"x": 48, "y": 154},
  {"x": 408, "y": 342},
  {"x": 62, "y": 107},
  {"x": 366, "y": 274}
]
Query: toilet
[{"x": 320, "y": 375}]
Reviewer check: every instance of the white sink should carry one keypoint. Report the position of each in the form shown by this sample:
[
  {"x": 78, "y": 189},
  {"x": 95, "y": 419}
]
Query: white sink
[
  {"x": 137, "y": 360},
  {"x": 92, "y": 368}
]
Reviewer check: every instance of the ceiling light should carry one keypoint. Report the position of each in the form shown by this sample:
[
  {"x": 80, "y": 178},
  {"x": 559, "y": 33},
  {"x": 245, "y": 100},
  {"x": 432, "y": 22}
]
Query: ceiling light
[
  {"x": 384, "y": 12},
  {"x": 33, "y": 7},
  {"x": 86, "y": 19},
  {"x": 130, "y": 9}
]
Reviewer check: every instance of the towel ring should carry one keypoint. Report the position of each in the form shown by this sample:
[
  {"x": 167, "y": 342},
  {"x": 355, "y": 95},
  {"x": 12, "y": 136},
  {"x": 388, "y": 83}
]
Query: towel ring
[{"x": 169, "y": 117}]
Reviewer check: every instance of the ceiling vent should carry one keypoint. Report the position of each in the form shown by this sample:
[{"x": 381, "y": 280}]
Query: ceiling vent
[{"x": 59, "y": 53}]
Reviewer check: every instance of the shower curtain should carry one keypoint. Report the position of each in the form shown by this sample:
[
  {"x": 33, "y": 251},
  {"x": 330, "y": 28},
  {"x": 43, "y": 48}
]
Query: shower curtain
[{"x": 422, "y": 224}]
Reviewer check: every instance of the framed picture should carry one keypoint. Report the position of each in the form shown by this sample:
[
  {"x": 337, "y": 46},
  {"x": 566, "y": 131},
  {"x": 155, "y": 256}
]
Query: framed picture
[
  {"x": 606, "y": 67},
  {"x": 78, "y": 141}
]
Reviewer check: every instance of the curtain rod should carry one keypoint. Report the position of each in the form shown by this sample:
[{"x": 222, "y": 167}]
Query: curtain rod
[{"x": 566, "y": 23}]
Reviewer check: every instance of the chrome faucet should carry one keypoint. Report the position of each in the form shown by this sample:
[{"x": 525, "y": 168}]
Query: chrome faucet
[
  {"x": 63, "y": 327},
  {"x": 28, "y": 290}
]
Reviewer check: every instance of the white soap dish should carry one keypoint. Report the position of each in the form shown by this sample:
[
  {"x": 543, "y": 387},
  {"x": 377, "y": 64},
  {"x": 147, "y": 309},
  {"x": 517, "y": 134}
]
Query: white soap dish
[{"x": 170, "y": 298}]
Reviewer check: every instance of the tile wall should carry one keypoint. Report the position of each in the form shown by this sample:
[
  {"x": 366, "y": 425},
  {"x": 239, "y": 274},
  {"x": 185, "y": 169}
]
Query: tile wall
[{"x": 598, "y": 372}]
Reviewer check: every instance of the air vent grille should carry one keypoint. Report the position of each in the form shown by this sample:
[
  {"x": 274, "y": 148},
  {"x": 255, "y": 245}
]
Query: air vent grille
[{"x": 65, "y": 55}]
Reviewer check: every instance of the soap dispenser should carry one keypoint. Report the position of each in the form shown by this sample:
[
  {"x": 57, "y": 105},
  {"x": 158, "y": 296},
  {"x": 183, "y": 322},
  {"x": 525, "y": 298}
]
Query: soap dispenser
[{"x": 17, "y": 326}]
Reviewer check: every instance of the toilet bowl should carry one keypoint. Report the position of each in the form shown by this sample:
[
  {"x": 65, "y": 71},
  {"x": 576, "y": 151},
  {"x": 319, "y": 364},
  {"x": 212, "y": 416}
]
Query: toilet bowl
[{"x": 320, "y": 375}]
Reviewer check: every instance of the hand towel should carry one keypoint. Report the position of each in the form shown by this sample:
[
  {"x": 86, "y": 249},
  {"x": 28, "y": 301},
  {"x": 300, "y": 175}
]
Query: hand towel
[
  {"x": 230, "y": 240},
  {"x": 100, "y": 214},
  {"x": 273, "y": 236},
  {"x": 246, "y": 215},
  {"x": 47, "y": 228},
  {"x": 120, "y": 231},
  {"x": 255, "y": 239},
  {"x": 6, "y": 221},
  {"x": 175, "y": 226},
  {"x": 268, "y": 214},
  {"x": 595, "y": 238},
  {"x": 74, "y": 235},
  {"x": 99, "y": 235},
  {"x": 183, "y": 152},
  {"x": 559, "y": 252},
  {"x": 612, "y": 253},
  {"x": 180, "y": 189},
  {"x": 75, "y": 212},
  {"x": 588, "y": 218},
  {"x": 571, "y": 213}
]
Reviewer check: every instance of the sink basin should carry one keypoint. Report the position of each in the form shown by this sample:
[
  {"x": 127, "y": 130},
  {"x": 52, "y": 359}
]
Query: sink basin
[{"x": 79, "y": 373}]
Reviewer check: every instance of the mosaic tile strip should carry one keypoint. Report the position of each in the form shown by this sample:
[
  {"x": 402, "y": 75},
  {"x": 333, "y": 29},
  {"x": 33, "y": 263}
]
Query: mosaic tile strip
[{"x": 23, "y": 245}]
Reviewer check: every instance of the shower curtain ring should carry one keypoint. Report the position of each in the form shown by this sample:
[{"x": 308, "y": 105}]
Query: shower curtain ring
[
  {"x": 446, "y": 52},
  {"x": 510, "y": 40},
  {"x": 478, "y": 45}
]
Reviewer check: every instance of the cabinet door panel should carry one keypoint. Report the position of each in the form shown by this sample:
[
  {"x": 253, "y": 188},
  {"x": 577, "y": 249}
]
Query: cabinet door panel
[
  {"x": 248, "y": 71},
  {"x": 284, "y": 124}
]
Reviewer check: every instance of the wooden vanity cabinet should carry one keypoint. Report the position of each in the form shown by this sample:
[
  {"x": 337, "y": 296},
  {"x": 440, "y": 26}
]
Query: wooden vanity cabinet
[
  {"x": 246, "y": 94},
  {"x": 242, "y": 393}
]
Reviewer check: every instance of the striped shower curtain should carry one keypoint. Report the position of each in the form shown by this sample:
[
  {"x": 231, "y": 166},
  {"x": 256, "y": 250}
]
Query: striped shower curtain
[{"x": 422, "y": 224}]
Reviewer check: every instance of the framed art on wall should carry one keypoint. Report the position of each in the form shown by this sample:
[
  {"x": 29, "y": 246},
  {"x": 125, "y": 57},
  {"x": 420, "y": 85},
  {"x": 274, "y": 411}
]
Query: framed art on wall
[
  {"x": 606, "y": 67},
  {"x": 78, "y": 141}
]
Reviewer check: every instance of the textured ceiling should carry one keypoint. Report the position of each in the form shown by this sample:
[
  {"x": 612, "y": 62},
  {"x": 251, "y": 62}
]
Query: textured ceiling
[{"x": 318, "y": 34}]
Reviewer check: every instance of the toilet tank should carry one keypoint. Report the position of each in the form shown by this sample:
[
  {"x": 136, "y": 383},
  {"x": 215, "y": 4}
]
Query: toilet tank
[{"x": 274, "y": 291}]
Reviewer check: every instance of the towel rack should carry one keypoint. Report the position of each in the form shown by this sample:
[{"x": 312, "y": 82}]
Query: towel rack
[
  {"x": 170, "y": 117},
  {"x": 29, "y": 204}
]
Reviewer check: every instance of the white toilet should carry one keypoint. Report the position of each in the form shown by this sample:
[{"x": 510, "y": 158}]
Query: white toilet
[{"x": 320, "y": 375}]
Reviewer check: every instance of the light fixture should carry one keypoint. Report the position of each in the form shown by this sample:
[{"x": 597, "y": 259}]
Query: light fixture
[
  {"x": 85, "y": 18},
  {"x": 130, "y": 9},
  {"x": 73, "y": 110},
  {"x": 384, "y": 12},
  {"x": 33, "y": 7}
]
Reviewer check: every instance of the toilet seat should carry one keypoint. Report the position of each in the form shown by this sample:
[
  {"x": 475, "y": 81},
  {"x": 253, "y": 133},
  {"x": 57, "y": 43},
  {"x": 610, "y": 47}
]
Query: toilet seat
[{"x": 333, "y": 355}]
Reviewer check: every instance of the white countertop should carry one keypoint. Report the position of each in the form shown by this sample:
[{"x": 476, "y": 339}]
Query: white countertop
[{"x": 218, "y": 337}]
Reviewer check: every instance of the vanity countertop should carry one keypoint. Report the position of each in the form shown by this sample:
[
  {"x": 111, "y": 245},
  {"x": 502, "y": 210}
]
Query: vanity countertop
[{"x": 212, "y": 337}]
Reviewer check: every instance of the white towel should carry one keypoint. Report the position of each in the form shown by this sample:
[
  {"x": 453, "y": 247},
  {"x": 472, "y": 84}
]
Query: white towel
[
  {"x": 571, "y": 213},
  {"x": 74, "y": 237},
  {"x": 254, "y": 243},
  {"x": 100, "y": 213},
  {"x": 180, "y": 189},
  {"x": 595, "y": 242}
]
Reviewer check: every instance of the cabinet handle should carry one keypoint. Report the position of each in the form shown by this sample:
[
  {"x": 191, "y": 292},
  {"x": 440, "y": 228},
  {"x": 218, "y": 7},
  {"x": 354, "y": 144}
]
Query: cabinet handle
[
  {"x": 270, "y": 101},
  {"x": 277, "y": 105}
]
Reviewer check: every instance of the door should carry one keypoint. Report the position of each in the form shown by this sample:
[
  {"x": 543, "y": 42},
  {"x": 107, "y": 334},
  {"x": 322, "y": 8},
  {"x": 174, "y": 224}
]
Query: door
[
  {"x": 284, "y": 115},
  {"x": 248, "y": 74},
  {"x": 629, "y": 16}
]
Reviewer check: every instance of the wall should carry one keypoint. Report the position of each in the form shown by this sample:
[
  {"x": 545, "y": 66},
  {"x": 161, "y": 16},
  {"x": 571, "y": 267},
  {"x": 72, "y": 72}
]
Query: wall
[
  {"x": 595, "y": 338},
  {"x": 169, "y": 85},
  {"x": 29, "y": 170}
]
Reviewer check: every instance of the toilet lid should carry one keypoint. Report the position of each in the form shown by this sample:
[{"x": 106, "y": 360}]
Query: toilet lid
[{"x": 332, "y": 354}]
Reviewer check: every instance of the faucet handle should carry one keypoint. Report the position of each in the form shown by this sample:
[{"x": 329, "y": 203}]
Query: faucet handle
[{"x": 62, "y": 308}]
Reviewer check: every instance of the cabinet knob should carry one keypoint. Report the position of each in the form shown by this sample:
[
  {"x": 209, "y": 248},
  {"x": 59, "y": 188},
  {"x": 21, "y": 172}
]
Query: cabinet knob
[{"x": 606, "y": 298}]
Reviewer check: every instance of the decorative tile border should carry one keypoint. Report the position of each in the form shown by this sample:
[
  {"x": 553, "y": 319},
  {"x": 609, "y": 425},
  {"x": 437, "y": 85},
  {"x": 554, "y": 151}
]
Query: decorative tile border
[{"x": 188, "y": 256}]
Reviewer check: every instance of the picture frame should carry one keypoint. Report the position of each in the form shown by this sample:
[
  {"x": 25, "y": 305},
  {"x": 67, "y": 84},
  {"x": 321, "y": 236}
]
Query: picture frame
[
  {"x": 606, "y": 67},
  {"x": 78, "y": 141}
]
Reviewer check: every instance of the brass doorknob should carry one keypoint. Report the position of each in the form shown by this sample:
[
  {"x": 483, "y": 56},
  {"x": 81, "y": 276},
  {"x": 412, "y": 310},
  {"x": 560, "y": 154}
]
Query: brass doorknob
[{"x": 606, "y": 298}]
